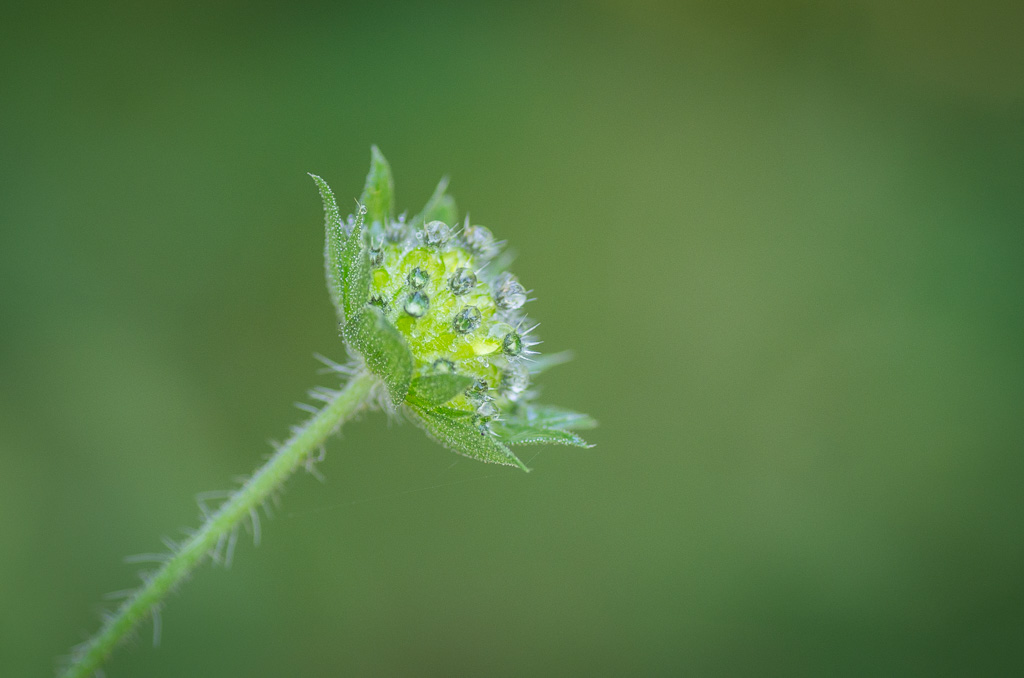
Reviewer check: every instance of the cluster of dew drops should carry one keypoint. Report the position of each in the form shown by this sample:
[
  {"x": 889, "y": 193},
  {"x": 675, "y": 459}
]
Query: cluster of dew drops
[{"x": 507, "y": 292}]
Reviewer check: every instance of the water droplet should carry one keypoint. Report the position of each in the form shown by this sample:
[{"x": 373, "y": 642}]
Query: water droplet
[
  {"x": 515, "y": 380},
  {"x": 418, "y": 277},
  {"x": 479, "y": 240},
  {"x": 380, "y": 302},
  {"x": 417, "y": 304},
  {"x": 376, "y": 256},
  {"x": 467, "y": 320},
  {"x": 487, "y": 409},
  {"x": 512, "y": 345},
  {"x": 508, "y": 293},
  {"x": 436, "y": 233},
  {"x": 481, "y": 424},
  {"x": 443, "y": 366},
  {"x": 478, "y": 391},
  {"x": 461, "y": 281}
]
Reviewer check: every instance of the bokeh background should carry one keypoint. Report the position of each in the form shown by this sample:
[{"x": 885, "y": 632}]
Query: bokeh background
[{"x": 783, "y": 239}]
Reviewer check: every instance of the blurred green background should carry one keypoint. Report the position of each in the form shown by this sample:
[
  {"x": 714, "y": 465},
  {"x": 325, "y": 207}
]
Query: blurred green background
[{"x": 784, "y": 240}]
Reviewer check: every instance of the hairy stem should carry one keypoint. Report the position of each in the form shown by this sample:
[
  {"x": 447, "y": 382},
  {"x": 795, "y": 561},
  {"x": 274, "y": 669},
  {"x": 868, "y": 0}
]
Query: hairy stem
[{"x": 219, "y": 526}]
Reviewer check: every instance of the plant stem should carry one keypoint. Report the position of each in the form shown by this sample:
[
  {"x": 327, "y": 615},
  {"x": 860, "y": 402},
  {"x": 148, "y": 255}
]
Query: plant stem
[{"x": 219, "y": 526}]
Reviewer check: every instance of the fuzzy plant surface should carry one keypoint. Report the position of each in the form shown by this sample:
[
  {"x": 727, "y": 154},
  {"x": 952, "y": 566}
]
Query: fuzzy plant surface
[{"x": 436, "y": 331}]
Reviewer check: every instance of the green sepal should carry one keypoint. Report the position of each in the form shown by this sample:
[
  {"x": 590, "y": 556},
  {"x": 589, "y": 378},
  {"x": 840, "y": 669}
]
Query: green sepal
[
  {"x": 512, "y": 433},
  {"x": 437, "y": 389},
  {"x": 455, "y": 430},
  {"x": 383, "y": 348},
  {"x": 379, "y": 192},
  {"x": 550, "y": 416},
  {"x": 440, "y": 207},
  {"x": 543, "y": 363},
  {"x": 334, "y": 244},
  {"x": 355, "y": 270}
]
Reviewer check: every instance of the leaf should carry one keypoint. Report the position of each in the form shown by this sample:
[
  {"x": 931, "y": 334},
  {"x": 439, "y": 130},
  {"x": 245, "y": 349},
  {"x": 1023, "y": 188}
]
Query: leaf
[
  {"x": 543, "y": 363},
  {"x": 334, "y": 243},
  {"x": 355, "y": 270},
  {"x": 440, "y": 207},
  {"x": 456, "y": 431},
  {"x": 379, "y": 193},
  {"x": 383, "y": 348},
  {"x": 513, "y": 433},
  {"x": 437, "y": 389},
  {"x": 549, "y": 416}
]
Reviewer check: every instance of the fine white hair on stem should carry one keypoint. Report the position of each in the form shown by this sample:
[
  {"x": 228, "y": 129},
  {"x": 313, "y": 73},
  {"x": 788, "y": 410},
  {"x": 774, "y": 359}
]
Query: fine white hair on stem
[
  {"x": 138, "y": 558},
  {"x": 158, "y": 625},
  {"x": 217, "y": 551},
  {"x": 203, "y": 497},
  {"x": 305, "y": 407},
  {"x": 254, "y": 520},
  {"x": 229, "y": 554},
  {"x": 313, "y": 460}
]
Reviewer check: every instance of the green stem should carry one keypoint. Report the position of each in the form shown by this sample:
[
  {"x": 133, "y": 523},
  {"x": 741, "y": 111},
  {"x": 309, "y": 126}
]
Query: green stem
[{"x": 269, "y": 478}]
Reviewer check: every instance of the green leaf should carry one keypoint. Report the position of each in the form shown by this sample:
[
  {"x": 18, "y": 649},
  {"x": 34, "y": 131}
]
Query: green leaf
[
  {"x": 334, "y": 244},
  {"x": 513, "y": 433},
  {"x": 543, "y": 363},
  {"x": 440, "y": 207},
  {"x": 383, "y": 348},
  {"x": 437, "y": 389},
  {"x": 355, "y": 270},
  {"x": 456, "y": 431},
  {"x": 549, "y": 416},
  {"x": 379, "y": 192}
]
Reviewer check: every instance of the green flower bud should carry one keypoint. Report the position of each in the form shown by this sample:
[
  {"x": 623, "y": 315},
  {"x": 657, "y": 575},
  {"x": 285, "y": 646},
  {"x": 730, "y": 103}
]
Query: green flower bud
[{"x": 420, "y": 302}]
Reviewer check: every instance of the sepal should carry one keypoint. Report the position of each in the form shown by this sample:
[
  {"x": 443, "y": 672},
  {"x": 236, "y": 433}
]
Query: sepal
[
  {"x": 383, "y": 349},
  {"x": 456, "y": 430},
  {"x": 512, "y": 433},
  {"x": 335, "y": 237},
  {"x": 379, "y": 192},
  {"x": 550, "y": 416},
  {"x": 440, "y": 207},
  {"x": 355, "y": 269},
  {"x": 436, "y": 389}
]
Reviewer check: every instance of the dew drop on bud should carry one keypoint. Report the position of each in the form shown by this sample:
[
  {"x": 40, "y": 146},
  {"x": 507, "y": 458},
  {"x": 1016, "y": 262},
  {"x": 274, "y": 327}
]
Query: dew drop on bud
[
  {"x": 436, "y": 233},
  {"x": 479, "y": 241},
  {"x": 481, "y": 425},
  {"x": 417, "y": 304},
  {"x": 461, "y": 281},
  {"x": 418, "y": 277},
  {"x": 515, "y": 380},
  {"x": 512, "y": 345},
  {"x": 466, "y": 320},
  {"x": 478, "y": 391},
  {"x": 508, "y": 293},
  {"x": 443, "y": 366},
  {"x": 487, "y": 409},
  {"x": 376, "y": 256},
  {"x": 380, "y": 302}
]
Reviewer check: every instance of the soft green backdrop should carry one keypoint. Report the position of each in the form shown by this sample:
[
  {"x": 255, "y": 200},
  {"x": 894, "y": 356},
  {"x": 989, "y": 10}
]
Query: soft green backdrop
[{"x": 784, "y": 240}]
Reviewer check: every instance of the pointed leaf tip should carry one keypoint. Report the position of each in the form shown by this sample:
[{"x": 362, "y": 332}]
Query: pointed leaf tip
[
  {"x": 379, "y": 193},
  {"x": 512, "y": 433},
  {"x": 334, "y": 245}
]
